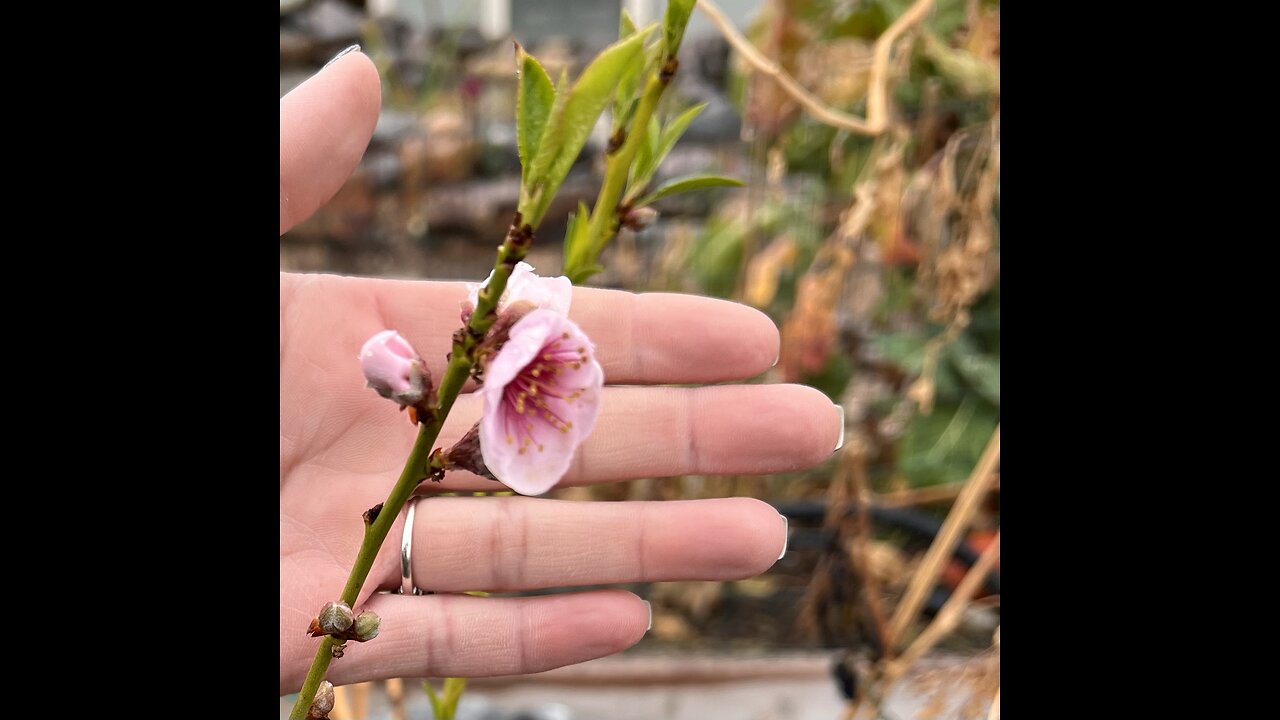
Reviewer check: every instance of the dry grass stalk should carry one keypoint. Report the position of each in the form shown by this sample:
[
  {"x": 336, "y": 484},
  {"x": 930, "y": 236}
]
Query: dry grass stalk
[
  {"x": 857, "y": 471},
  {"x": 928, "y": 494},
  {"x": 944, "y": 544},
  {"x": 877, "y": 120},
  {"x": 949, "y": 616},
  {"x": 946, "y": 621}
]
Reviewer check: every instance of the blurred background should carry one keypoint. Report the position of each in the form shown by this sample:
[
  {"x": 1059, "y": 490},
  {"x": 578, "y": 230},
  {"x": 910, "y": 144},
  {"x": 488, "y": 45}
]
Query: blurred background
[{"x": 875, "y": 250}]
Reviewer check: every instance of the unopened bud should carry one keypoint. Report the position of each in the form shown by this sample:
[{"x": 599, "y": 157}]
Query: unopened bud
[
  {"x": 336, "y": 618},
  {"x": 466, "y": 455},
  {"x": 638, "y": 219},
  {"x": 367, "y": 625},
  {"x": 393, "y": 368},
  {"x": 323, "y": 704}
]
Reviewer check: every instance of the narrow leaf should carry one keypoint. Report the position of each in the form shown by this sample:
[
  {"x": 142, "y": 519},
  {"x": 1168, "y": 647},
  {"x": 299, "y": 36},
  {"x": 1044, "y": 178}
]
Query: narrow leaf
[
  {"x": 663, "y": 144},
  {"x": 628, "y": 82},
  {"x": 571, "y": 122},
  {"x": 437, "y": 708},
  {"x": 674, "y": 22},
  {"x": 575, "y": 232},
  {"x": 534, "y": 99},
  {"x": 552, "y": 133},
  {"x": 626, "y": 26},
  {"x": 624, "y": 100},
  {"x": 645, "y": 164},
  {"x": 685, "y": 184}
]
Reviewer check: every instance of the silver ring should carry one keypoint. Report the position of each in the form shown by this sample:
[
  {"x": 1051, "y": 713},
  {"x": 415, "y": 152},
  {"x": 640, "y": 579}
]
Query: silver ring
[{"x": 406, "y": 550}]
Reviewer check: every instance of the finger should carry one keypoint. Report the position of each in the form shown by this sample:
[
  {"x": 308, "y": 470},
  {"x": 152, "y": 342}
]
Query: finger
[
  {"x": 325, "y": 126},
  {"x": 514, "y": 543},
  {"x": 664, "y": 432},
  {"x": 667, "y": 338},
  {"x": 464, "y": 636},
  {"x": 640, "y": 339}
]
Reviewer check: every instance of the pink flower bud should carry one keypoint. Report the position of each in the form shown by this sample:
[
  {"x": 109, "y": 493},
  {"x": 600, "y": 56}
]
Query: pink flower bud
[
  {"x": 638, "y": 219},
  {"x": 392, "y": 367}
]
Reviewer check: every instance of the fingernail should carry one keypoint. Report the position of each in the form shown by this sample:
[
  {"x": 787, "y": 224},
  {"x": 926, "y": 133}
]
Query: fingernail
[
  {"x": 786, "y": 535},
  {"x": 336, "y": 58},
  {"x": 776, "y": 358},
  {"x": 840, "y": 442},
  {"x": 649, "y": 605}
]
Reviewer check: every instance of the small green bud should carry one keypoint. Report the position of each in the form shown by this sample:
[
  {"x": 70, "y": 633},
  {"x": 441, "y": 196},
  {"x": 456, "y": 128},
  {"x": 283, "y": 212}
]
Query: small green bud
[{"x": 367, "y": 625}]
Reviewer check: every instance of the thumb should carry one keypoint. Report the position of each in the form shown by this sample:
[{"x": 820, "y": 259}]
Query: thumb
[{"x": 325, "y": 126}]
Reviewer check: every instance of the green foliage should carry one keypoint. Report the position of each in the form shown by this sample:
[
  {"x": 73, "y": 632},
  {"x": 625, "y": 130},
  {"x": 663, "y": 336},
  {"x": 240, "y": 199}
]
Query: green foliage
[
  {"x": 943, "y": 446},
  {"x": 444, "y": 705},
  {"x": 534, "y": 99},
  {"x": 674, "y": 22},
  {"x": 686, "y": 183},
  {"x": 657, "y": 146},
  {"x": 625, "y": 100},
  {"x": 714, "y": 258},
  {"x": 645, "y": 164},
  {"x": 573, "y": 114},
  {"x": 865, "y": 20},
  {"x": 575, "y": 232}
]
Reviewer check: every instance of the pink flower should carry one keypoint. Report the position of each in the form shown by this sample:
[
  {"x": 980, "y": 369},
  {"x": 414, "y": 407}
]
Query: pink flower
[
  {"x": 541, "y": 397},
  {"x": 392, "y": 367},
  {"x": 554, "y": 293}
]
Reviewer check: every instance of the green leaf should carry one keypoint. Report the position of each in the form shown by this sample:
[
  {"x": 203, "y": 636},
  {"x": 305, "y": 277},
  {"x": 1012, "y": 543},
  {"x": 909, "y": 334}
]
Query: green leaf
[
  {"x": 943, "y": 446},
  {"x": 626, "y": 26},
  {"x": 534, "y": 99},
  {"x": 576, "y": 230},
  {"x": 674, "y": 22},
  {"x": 644, "y": 164},
  {"x": 453, "y": 689},
  {"x": 660, "y": 146},
  {"x": 571, "y": 122},
  {"x": 624, "y": 100},
  {"x": 685, "y": 184},
  {"x": 904, "y": 349},
  {"x": 550, "y": 142},
  {"x": 437, "y": 709},
  {"x": 978, "y": 370}
]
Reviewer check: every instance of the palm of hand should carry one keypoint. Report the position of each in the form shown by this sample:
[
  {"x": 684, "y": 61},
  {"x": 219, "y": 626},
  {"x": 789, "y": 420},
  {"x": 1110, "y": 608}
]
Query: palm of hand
[{"x": 342, "y": 447}]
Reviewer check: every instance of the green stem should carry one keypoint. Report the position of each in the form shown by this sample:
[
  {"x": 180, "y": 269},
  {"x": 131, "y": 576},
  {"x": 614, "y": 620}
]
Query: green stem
[
  {"x": 512, "y": 251},
  {"x": 604, "y": 213}
]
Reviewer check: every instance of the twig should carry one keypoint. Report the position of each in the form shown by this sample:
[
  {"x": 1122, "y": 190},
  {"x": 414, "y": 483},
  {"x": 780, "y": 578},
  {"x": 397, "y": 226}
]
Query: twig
[
  {"x": 944, "y": 544},
  {"x": 877, "y": 119},
  {"x": 870, "y": 587},
  {"x": 949, "y": 616},
  {"x": 929, "y": 494},
  {"x": 947, "y": 619}
]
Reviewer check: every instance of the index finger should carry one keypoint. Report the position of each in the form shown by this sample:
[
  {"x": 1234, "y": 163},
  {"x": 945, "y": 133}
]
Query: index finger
[{"x": 650, "y": 338}]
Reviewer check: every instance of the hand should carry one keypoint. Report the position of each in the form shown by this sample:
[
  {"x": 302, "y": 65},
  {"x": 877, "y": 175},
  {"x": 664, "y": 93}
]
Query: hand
[{"x": 342, "y": 448}]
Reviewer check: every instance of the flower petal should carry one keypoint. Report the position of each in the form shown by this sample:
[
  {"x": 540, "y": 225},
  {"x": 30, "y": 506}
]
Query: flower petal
[
  {"x": 554, "y": 293},
  {"x": 387, "y": 362},
  {"x": 551, "y": 293},
  {"x": 529, "y": 451}
]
